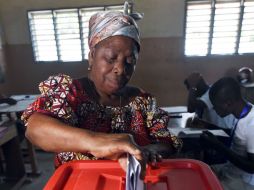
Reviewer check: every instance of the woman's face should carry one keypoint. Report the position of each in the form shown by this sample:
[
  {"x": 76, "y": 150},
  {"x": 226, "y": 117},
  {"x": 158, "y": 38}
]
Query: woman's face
[{"x": 112, "y": 63}]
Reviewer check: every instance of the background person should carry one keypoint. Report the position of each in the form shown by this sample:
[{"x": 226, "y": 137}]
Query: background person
[
  {"x": 199, "y": 102},
  {"x": 238, "y": 173}
]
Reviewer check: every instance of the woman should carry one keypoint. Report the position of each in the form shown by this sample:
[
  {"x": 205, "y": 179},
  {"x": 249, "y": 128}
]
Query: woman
[{"x": 69, "y": 112}]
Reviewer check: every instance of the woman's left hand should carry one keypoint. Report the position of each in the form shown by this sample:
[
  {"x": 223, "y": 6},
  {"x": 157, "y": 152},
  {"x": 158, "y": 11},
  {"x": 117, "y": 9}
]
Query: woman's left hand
[{"x": 151, "y": 154}]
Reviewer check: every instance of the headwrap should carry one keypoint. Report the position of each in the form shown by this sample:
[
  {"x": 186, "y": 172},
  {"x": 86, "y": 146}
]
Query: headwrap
[{"x": 111, "y": 23}]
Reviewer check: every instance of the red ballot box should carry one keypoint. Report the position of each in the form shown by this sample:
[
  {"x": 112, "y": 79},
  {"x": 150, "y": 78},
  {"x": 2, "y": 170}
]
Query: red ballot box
[{"x": 173, "y": 174}]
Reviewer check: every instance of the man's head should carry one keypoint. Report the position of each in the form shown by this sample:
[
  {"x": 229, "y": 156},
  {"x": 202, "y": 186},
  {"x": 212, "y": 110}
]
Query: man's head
[{"x": 224, "y": 95}]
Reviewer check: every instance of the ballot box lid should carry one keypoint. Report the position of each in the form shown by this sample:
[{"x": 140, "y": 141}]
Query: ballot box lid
[{"x": 171, "y": 174}]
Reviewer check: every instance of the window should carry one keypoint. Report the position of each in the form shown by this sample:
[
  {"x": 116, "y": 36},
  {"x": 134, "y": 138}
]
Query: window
[
  {"x": 219, "y": 27},
  {"x": 62, "y": 34}
]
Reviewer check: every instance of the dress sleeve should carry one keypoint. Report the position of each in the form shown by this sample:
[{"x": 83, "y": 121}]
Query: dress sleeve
[
  {"x": 57, "y": 99},
  {"x": 157, "y": 121}
]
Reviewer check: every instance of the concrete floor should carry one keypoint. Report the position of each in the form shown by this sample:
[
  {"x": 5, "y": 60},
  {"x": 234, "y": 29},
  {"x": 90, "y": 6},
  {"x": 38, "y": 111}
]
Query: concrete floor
[{"x": 46, "y": 167}]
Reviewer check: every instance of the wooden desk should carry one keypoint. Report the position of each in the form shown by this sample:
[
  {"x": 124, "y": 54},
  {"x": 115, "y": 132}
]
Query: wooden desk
[
  {"x": 192, "y": 148},
  {"x": 178, "y": 116},
  {"x": 179, "y": 120},
  {"x": 23, "y": 102},
  {"x": 9, "y": 142}
]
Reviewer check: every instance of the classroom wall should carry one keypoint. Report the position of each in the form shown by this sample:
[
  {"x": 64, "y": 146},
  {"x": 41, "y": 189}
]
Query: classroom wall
[
  {"x": 2, "y": 56},
  {"x": 161, "y": 68}
]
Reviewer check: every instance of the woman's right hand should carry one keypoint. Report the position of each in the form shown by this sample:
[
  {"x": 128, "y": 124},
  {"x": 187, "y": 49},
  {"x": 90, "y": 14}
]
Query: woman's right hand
[
  {"x": 116, "y": 147},
  {"x": 112, "y": 146}
]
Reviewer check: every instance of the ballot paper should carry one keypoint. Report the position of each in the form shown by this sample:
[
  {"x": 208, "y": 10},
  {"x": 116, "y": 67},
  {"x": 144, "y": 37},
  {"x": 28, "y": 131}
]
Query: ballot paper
[{"x": 133, "y": 181}]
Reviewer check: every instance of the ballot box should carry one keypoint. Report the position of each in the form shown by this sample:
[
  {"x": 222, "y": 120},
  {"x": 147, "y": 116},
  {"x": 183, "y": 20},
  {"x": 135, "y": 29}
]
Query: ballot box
[{"x": 172, "y": 174}]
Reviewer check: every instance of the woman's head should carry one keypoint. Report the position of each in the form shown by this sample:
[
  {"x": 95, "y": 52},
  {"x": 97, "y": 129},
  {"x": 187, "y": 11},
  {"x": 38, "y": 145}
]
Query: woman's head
[
  {"x": 106, "y": 24},
  {"x": 114, "y": 46}
]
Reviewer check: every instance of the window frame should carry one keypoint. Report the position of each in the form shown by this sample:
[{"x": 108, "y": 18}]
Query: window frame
[
  {"x": 83, "y": 60},
  {"x": 238, "y": 36}
]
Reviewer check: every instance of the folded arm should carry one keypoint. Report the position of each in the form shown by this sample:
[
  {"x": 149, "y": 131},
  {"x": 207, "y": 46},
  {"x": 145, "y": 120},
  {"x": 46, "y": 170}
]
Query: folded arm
[{"x": 194, "y": 103}]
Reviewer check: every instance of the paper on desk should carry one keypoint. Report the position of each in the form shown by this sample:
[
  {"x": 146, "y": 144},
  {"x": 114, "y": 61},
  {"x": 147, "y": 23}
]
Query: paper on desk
[
  {"x": 175, "y": 109},
  {"x": 187, "y": 132},
  {"x": 216, "y": 132},
  {"x": 133, "y": 181}
]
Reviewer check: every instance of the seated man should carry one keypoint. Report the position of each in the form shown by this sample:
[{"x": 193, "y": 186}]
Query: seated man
[
  {"x": 238, "y": 173},
  {"x": 199, "y": 102}
]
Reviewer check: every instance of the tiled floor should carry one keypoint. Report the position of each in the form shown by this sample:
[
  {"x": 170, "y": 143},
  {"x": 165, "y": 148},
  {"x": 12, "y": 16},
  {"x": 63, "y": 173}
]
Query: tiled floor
[{"x": 45, "y": 162}]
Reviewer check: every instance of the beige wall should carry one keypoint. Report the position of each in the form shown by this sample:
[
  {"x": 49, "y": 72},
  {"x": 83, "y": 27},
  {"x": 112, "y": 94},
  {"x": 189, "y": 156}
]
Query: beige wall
[
  {"x": 163, "y": 18},
  {"x": 161, "y": 68}
]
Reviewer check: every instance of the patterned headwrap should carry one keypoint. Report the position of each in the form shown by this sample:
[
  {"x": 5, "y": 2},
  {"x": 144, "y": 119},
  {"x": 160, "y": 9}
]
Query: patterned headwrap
[{"x": 111, "y": 23}]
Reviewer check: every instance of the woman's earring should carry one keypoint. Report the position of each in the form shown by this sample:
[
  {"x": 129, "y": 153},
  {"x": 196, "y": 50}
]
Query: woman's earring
[{"x": 89, "y": 68}]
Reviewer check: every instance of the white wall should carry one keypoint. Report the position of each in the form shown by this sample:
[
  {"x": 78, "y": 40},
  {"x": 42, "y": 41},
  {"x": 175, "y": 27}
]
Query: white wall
[{"x": 160, "y": 16}]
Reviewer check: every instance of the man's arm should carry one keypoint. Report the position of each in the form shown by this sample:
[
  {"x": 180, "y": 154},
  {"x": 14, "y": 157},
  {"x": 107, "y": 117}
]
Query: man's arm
[
  {"x": 246, "y": 164},
  {"x": 196, "y": 87},
  {"x": 194, "y": 103}
]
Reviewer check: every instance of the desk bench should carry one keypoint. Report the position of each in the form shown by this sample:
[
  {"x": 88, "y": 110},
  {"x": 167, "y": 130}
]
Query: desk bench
[
  {"x": 22, "y": 103},
  {"x": 14, "y": 172}
]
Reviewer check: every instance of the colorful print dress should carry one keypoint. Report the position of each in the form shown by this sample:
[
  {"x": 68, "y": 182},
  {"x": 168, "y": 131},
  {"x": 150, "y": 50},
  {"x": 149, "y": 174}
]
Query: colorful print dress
[{"x": 65, "y": 98}]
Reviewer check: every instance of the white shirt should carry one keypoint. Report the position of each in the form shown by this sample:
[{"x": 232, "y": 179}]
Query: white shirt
[{"x": 243, "y": 143}]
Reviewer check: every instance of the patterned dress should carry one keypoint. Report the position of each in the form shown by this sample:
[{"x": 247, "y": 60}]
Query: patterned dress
[{"x": 66, "y": 99}]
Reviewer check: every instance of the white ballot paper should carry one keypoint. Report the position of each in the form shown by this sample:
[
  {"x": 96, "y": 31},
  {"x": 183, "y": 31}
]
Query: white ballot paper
[{"x": 133, "y": 181}]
